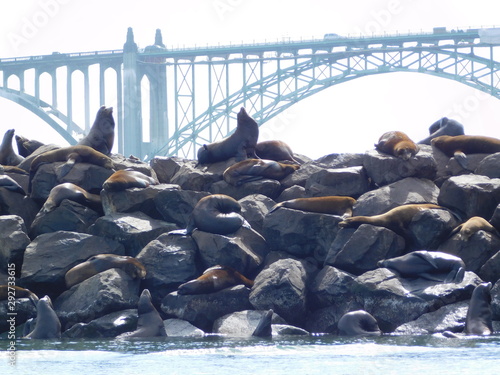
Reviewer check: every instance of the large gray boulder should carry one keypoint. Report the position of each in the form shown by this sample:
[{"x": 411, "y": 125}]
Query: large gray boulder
[
  {"x": 14, "y": 203},
  {"x": 181, "y": 328},
  {"x": 328, "y": 286},
  {"x": 254, "y": 209},
  {"x": 269, "y": 188},
  {"x": 109, "y": 325},
  {"x": 351, "y": 181},
  {"x": 166, "y": 167},
  {"x": 24, "y": 308},
  {"x": 301, "y": 175},
  {"x": 176, "y": 206},
  {"x": 242, "y": 323},
  {"x": 489, "y": 270},
  {"x": 13, "y": 242},
  {"x": 489, "y": 166}
]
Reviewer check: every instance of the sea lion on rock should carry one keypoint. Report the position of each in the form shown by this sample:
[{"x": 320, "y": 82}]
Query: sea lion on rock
[
  {"x": 47, "y": 325},
  {"x": 214, "y": 279},
  {"x": 443, "y": 126},
  {"x": 102, "y": 262},
  {"x": 332, "y": 205},
  {"x": 473, "y": 225},
  {"x": 7, "y": 291},
  {"x": 479, "y": 314},
  {"x": 275, "y": 150},
  {"x": 240, "y": 144},
  {"x": 150, "y": 323},
  {"x": 256, "y": 169},
  {"x": 26, "y": 146},
  {"x": 74, "y": 193},
  {"x": 430, "y": 265},
  {"x": 102, "y": 133},
  {"x": 398, "y": 144},
  {"x": 126, "y": 179},
  {"x": 7, "y": 154},
  {"x": 358, "y": 323}
]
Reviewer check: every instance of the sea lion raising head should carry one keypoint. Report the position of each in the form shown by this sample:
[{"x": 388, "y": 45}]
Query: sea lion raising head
[
  {"x": 479, "y": 315},
  {"x": 102, "y": 133},
  {"x": 7, "y": 154}
]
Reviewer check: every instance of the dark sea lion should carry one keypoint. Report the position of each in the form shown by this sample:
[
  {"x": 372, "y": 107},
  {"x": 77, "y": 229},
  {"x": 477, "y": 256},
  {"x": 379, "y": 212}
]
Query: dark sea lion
[
  {"x": 214, "y": 279},
  {"x": 264, "y": 328},
  {"x": 150, "y": 323},
  {"x": 17, "y": 292},
  {"x": 430, "y": 265},
  {"x": 26, "y": 146},
  {"x": 398, "y": 144},
  {"x": 47, "y": 325},
  {"x": 275, "y": 150},
  {"x": 102, "y": 133},
  {"x": 7, "y": 154},
  {"x": 332, "y": 205},
  {"x": 256, "y": 169},
  {"x": 443, "y": 126},
  {"x": 358, "y": 323},
  {"x": 473, "y": 225},
  {"x": 102, "y": 262},
  {"x": 479, "y": 315},
  {"x": 74, "y": 193},
  {"x": 128, "y": 178},
  {"x": 241, "y": 144}
]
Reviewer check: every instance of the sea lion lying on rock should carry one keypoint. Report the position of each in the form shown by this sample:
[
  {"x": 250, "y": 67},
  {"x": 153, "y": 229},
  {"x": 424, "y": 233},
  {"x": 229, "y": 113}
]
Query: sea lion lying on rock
[
  {"x": 275, "y": 150},
  {"x": 332, "y": 205},
  {"x": 126, "y": 179},
  {"x": 473, "y": 225},
  {"x": 256, "y": 169},
  {"x": 398, "y": 144},
  {"x": 214, "y": 279},
  {"x": 74, "y": 193}
]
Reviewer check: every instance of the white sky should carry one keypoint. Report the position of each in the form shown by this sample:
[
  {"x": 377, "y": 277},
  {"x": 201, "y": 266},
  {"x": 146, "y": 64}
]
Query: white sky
[{"x": 344, "y": 118}]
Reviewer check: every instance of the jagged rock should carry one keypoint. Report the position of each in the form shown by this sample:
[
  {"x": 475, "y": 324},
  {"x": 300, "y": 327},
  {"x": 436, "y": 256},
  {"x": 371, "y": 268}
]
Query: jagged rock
[
  {"x": 351, "y": 181},
  {"x": 121, "y": 162},
  {"x": 254, "y": 209},
  {"x": 51, "y": 255},
  {"x": 489, "y": 166},
  {"x": 292, "y": 192},
  {"x": 244, "y": 250},
  {"x": 24, "y": 308},
  {"x": 495, "y": 301},
  {"x": 26, "y": 163},
  {"x": 358, "y": 250},
  {"x": 471, "y": 195},
  {"x": 13, "y": 242},
  {"x": 176, "y": 206},
  {"x": 405, "y": 191},
  {"x": 133, "y": 230},
  {"x": 14, "y": 203},
  {"x": 169, "y": 261},
  {"x": 181, "y": 328},
  {"x": 189, "y": 177},
  {"x": 301, "y": 175},
  {"x": 110, "y": 325},
  {"x": 166, "y": 167},
  {"x": 68, "y": 216},
  {"x": 21, "y": 179},
  {"x": 242, "y": 323},
  {"x": 104, "y": 293},
  {"x": 327, "y": 286},
  {"x": 385, "y": 169},
  {"x": 300, "y": 233},
  {"x": 495, "y": 219},
  {"x": 341, "y": 160},
  {"x": 135, "y": 199},
  {"x": 447, "y": 318},
  {"x": 202, "y": 310},
  {"x": 490, "y": 269},
  {"x": 282, "y": 287},
  {"x": 267, "y": 187},
  {"x": 429, "y": 228}
]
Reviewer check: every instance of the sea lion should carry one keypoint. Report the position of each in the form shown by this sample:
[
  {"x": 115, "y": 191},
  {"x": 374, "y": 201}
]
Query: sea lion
[
  {"x": 256, "y": 169},
  {"x": 47, "y": 325},
  {"x": 473, "y": 225},
  {"x": 275, "y": 150},
  {"x": 7, "y": 154},
  {"x": 102, "y": 262},
  {"x": 241, "y": 144},
  {"x": 214, "y": 279},
  {"x": 358, "y": 323},
  {"x": 479, "y": 314},
  {"x": 443, "y": 126},
  {"x": 26, "y": 146},
  {"x": 216, "y": 213},
  {"x": 398, "y": 144},
  {"x": 459, "y": 146},
  {"x": 429, "y": 265},
  {"x": 102, "y": 133},
  {"x": 264, "y": 327},
  {"x": 128, "y": 178},
  {"x": 17, "y": 292},
  {"x": 332, "y": 205},
  {"x": 150, "y": 323},
  {"x": 74, "y": 193}
]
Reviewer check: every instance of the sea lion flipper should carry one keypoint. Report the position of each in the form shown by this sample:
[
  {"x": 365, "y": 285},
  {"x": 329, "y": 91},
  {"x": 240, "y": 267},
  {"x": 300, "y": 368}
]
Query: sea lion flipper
[
  {"x": 178, "y": 232},
  {"x": 66, "y": 167},
  {"x": 461, "y": 158},
  {"x": 455, "y": 276}
]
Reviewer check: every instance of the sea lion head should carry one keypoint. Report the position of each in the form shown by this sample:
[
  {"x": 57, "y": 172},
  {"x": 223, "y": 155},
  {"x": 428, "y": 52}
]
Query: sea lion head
[
  {"x": 203, "y": 155},
  {"x": 405, "y": 150},
  {"x": 105, "y": 121}
]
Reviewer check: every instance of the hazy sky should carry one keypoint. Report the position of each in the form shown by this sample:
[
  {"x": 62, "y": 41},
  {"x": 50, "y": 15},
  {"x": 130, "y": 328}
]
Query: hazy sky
[{"x": 344, "y": 118}]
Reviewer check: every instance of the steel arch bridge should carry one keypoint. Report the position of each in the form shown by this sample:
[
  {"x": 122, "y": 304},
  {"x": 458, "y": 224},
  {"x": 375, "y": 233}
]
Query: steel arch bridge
[{"x": 195, "y": 93}]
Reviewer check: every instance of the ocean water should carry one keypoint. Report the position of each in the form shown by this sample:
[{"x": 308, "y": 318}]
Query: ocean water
[{"x": 400, "y": 355}]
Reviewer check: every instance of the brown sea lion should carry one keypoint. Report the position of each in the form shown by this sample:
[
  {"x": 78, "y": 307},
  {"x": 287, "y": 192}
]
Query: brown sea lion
[
  {"x": 102, "y": 262},
  {"x": 214, "y": 279},
  {"x": 74, "y": 193},
  {"x": 398, "y": 144},
  {"x": 240, "y": 144},
  {"x": 127, "y": 178},
  {"x": 7, "y": 154},
  {"x": 26, "y": 146},
  {"x": 443, "y": 126},
  {"x": 256, "y": 169},
  {"x": 479, "y": 315},
  {"x": 332, "y": 205},
  {"x": 47, "y": 325},
  {"x": 358, "y": 323},
  {"x": 102, "y": 133},
  {"x": 7, "y": 291},
  {"x": 473, "y": 225},
  {"x": 275, "y": 150}
]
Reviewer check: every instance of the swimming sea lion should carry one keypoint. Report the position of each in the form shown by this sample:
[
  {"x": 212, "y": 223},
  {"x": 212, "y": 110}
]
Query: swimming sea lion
[
  {"x": 443, "y": 126},
  {"x": 332, "y": 205},
  {"x": 398, "y": 144},
  {"x": 150, "y": 323},
  {"x": 47, "y": 325},
  {"x": 264, "y": 328},
  {"x": 255, "y": 169},
  {"x": 473, "y": 225},
  {"x": 429, "y": 265},
  {"x": 102, "y": 262},
  {"x": 214, "y": 279},
  {"x": 74, "y": 193},
  {"x": 102, "y": 133},
  {"x": 128, "y": 178},
  {"x": 479, "y": 315},
  {"x": 7, "y": 154},
  {"x": 240, "y": 144},
  {"x": 358, "y": 323},
  {"x": 275, "y": 150},
  {"x": 26, "y": 146},
  {"x": 17, "y": 292}
]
